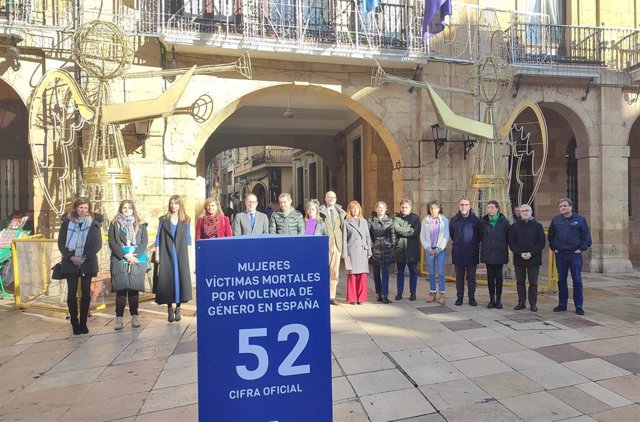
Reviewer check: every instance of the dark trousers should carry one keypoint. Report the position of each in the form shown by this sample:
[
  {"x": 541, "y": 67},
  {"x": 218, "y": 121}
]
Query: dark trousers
[
  {"x": 72, "y": 298},
  {"x": 470, "y": 271},
  {"x": 522, "y": 273},
  {"x": 569, "y": 261},
  {"x": 413, "y": 277},
  {"x": 381, "y": 279},
  {"x": 495, "y": 280},
  {"x": 121, "y": 301}
]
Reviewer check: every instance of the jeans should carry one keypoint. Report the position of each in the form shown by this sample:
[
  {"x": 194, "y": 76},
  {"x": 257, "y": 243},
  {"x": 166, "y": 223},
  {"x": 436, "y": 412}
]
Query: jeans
[
  {"x": 435, "y": 263},
  {"x": 381, "y": 279},
  {"x": 413, "y": 277},
  {"x": 521, "y": 276},
  {"x": 569, "y": 261},
  {"x": 470, "y": 270}
]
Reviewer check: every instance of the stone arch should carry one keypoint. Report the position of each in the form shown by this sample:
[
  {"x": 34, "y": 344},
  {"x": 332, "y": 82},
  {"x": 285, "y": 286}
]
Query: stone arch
[
  {"x": 16, "y": 168},
  {"x": 563, "y": 124},
  {"x": 359, "y": 103}
]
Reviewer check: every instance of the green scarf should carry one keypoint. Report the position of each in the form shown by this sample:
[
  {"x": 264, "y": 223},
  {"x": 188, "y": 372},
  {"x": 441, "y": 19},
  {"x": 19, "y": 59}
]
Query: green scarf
[{"x": 493, "y": 220}]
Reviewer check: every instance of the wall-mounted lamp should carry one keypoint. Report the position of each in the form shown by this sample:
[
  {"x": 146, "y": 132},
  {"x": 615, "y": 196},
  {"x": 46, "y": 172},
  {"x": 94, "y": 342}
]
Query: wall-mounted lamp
[
  {"x": 439, "y": 136},
  {"x": 142, "y": 133}
]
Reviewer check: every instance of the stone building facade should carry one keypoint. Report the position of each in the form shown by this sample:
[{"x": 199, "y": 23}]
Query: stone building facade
[{"x": 384, "y": 149}]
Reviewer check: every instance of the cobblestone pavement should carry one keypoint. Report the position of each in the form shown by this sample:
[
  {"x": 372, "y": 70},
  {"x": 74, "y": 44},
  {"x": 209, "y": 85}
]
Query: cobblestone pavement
[{"x": 406, "y": 361}]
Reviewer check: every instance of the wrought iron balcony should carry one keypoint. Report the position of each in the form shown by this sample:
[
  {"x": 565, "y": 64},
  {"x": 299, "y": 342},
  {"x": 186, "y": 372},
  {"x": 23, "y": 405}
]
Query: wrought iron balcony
[
  {"x": 278, "y": 157},
  {"x": 346, "y": 28}
]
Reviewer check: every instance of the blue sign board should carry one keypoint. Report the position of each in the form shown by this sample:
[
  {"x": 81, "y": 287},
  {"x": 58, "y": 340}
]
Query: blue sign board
[{"x": 264, "y": 337}]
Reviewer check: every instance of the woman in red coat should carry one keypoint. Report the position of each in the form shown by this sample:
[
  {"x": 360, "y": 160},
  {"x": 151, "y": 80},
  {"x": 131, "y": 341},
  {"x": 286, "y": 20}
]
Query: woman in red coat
[{"x": 212, "y": 223}]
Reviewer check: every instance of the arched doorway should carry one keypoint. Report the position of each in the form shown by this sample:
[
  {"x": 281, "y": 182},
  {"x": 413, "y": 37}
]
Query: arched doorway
[
  {"x": 16, "y": 168},
  {"x": 568, "y": 141},
  {"x": 260, "y": 192},
  {"x": 355, "y": 156},
  {"x": 634, "y": 194}
]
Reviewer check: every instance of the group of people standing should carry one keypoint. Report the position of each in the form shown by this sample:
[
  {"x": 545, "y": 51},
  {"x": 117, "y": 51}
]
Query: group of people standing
[
  {"x": 80, "y": 240},
  {"x": 489, "y": 239},
  {"x": 381, "y": 240}
]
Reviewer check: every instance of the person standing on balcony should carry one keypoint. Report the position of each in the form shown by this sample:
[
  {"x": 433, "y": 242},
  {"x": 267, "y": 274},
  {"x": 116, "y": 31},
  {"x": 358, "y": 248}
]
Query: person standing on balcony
[
  {"x": 407, "y": 250},
  {"x": 434, "y": 236},
  {"x": 172, "y": 276},
  {"x": 356, "y": 251},
  {"x": 569, "y": 236},
  {"x": 494, "y": 250},
  {"x": 383, "y": 240},
  {"x": 465, "y": 232},
  {"x": 79, "y": 242},
  {"x": 526, "y": 240},
  {"x": 251, "y": 221},
  {"x": 212, "y": 223},
  {"x": 333, "y": 216},
  {"x": 287, "y": 220},
  {"x": 128, "y": 243}
]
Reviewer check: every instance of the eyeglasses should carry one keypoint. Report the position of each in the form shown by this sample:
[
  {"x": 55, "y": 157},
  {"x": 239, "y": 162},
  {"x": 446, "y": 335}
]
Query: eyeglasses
[
  {"x": 464, "y": 205},
  {"x": 521, "y": 211}
]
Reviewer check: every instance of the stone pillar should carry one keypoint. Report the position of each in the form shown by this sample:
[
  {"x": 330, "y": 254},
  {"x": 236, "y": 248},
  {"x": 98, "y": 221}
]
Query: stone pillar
[{"x": 608, "y": 200}]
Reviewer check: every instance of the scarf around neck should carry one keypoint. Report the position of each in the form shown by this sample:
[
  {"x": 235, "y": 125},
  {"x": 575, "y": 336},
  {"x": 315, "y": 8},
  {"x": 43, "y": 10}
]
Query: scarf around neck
[
  {"x": 129, "y": 227},
  {"x": 77, "y": 232},
  {"x": 210, "y": 225}
]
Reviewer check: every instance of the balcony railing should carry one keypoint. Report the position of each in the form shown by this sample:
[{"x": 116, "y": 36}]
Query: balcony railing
[
  {"x": 347, "y": 27},
  {"x": 272, "y": 157},
  {"x": 59, "y": 14},
  {"x": 615, "y": 48}
]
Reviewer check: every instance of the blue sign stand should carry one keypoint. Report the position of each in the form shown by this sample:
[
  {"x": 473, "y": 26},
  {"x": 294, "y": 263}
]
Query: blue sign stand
[{"x": 264, "y": 336}]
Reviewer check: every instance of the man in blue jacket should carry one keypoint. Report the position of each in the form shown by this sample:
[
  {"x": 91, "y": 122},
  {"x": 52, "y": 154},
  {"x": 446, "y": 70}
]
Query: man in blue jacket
[
  {"x": 465, "y": 233},
  {"x": 568, "y": 237}
]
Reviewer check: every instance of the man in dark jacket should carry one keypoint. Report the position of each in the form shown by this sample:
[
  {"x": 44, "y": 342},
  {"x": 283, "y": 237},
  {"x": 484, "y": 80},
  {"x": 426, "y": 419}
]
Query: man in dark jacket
[
  {"x": 568, "y": 237},
  {"x": 465, "y": 230},
  {"x": 526, "y": 240},
  {"x": 407, "y": 251}
]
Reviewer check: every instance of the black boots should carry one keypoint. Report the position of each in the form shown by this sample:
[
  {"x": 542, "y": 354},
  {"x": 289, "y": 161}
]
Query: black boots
[
  {"x": 385, "y": 299},
  {"x": 492, "y": 302},
  {"x": 498, "y": 301},
  {"x": 379, "y": 299}
]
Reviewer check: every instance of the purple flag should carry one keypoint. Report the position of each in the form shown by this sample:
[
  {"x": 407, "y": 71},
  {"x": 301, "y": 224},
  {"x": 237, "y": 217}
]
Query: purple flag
[{"x": 434, "y": 14}]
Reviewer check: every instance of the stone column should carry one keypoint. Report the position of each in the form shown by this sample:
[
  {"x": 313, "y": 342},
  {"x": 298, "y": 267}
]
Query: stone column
[{"x": 607, "y": 160}]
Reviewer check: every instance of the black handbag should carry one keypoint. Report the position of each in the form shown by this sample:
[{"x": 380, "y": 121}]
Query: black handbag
[{"x": 56, "y": 272}]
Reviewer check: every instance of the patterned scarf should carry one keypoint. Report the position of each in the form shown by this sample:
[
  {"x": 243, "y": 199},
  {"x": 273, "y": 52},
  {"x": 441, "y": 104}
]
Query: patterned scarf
[
  {"x": 77, "y": 232},
  {"x": 211, "y": 225},
  {"x": 129, "y": 227}
]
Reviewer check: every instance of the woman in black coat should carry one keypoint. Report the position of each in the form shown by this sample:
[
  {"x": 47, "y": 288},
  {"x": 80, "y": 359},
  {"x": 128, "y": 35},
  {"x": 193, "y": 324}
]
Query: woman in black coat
[
  {"x": 383, "y": 240},
  {"x": 172, "y": 281},
  {"x": 494, "y": 250},
  {"x": 128, "y": 243},
  {"x": 79, "y": 242}
]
